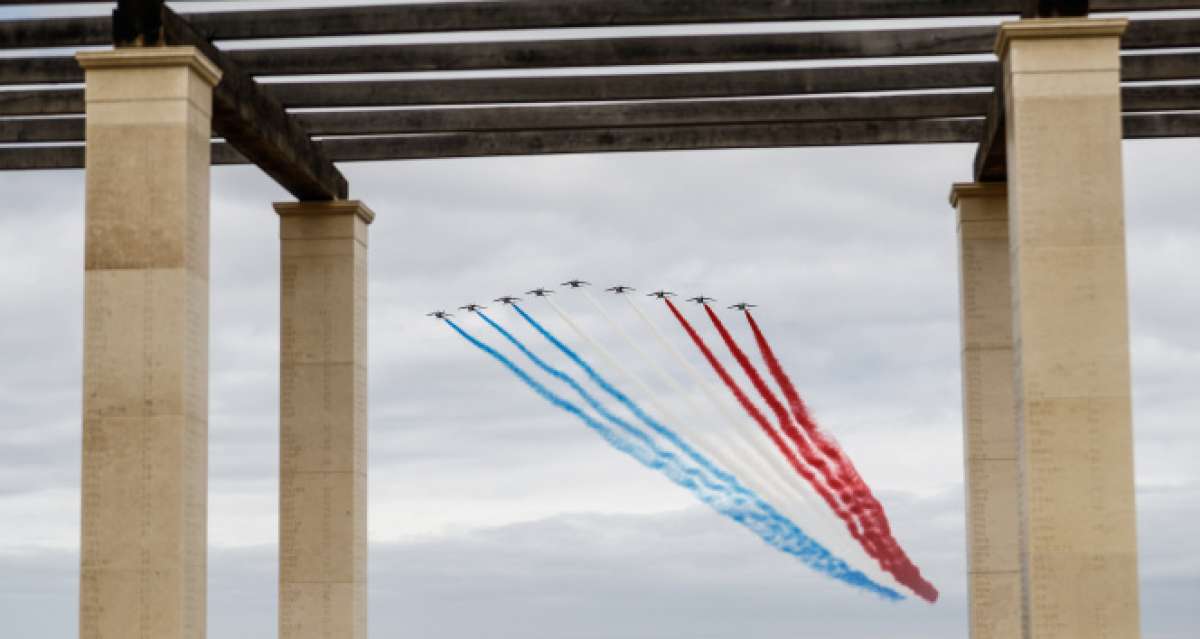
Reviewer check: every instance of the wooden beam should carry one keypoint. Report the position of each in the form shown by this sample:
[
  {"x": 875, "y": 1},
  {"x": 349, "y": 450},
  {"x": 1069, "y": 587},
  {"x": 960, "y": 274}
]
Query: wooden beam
[
  {"x": 655, "y": 50},
  {"x": 502, "y": 143},
  {"x": 257, "y": 125},
  {"x": 137, "y": 23},
  {"x": 606, "y": 116},
  {"x": 475, "y": 16},
  {"x": 717, "y": 84},
  {"x": 1160, "y": 66},
  {"x": 19, "y": 130},
  {"x": 991, "y": 158},
  {"x": 1053, "y": 8},
  {"x": 507, "y": 143},
  {"x": 41, "y": 102},
  {"x": 644, "y": 114},
  {"x": 1172, "y": 125},
  {"x": 544, "y": 14},
  {"x": 720, "y": 84},
  {"x": 629, "y": 51},
  {"x": 646, "y": 50},
  {"x": 1137, "y": 99}
]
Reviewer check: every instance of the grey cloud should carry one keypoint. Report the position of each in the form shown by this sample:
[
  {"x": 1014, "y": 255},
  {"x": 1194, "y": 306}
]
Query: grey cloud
[{"x": 851, "y": 254}]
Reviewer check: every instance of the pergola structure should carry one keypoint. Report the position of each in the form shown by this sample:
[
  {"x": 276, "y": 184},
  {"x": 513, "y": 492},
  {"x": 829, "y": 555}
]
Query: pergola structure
[{"x": 1045, "y": 332}]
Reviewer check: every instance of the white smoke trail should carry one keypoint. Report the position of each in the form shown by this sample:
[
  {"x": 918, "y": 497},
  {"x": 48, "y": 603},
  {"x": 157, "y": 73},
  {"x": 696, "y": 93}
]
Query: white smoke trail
[{"x": 751, "y": 439}]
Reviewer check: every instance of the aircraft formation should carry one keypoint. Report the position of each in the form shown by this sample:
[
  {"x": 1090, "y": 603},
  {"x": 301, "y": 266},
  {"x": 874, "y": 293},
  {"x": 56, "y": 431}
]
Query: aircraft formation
[{"x": 619, "y": 289}]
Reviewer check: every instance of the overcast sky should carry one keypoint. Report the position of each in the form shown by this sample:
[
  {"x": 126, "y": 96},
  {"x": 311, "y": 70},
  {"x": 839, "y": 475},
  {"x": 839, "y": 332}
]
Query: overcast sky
[
  {"x": 494, "y": 515},
  {"x": 484, "y": 499}
]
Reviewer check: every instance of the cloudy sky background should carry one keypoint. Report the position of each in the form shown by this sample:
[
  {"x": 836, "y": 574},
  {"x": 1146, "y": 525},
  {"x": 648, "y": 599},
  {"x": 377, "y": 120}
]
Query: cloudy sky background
[{"x": 491, "y": 513}]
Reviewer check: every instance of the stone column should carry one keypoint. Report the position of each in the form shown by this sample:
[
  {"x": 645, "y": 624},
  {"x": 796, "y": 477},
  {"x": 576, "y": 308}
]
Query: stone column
[
  {"x": 145, "y": 376},
  {"x": 1078, "y": 546},
  {"x": 989, "y": 421},
  {"x": 323, "y": 420}
]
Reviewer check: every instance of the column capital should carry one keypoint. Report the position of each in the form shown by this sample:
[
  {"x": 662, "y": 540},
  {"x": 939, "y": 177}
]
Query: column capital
[
  {"x": 1057, "y": 28},
  {"x": 325, "y": 209},
  {"x": 143, "y": 57},
  {"x": 965, "y": 190}
]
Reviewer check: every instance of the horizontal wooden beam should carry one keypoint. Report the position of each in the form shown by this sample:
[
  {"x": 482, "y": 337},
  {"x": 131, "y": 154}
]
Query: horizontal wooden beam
[
  {"x": 258, "y": 126},
  {"x": 592, "y": 88},
  {"x": 41, "y": 102},
  {"x": 644, "y": 114},
  {"x": 509, "y": 143},
  {"x": 477, "y": 16},
  {"x": 1170, "y": 125},
  {"x": 640, "y": 86},
  {"x": 638, "y": 114},
  {"x": 1054, "y": 8},
  {"x": 1137, "y": 99},
  {"x": 644, "y": 50},
  {"x": 635, "y": 51}
]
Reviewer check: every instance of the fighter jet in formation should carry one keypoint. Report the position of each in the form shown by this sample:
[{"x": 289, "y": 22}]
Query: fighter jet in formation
[
  {"x": 439, "y": 315},
  {"x": 662, "y": 295},
  {"x": 620, "y": 289},
  {"x": 743, "y": 307},
  {"x": 702, "y": 300},
  {"x": 507, "y": 300},
  {"x": 472, "y": 308},
  {"x": 576, "y": 283},
  {"x": 540, "y": 292}
]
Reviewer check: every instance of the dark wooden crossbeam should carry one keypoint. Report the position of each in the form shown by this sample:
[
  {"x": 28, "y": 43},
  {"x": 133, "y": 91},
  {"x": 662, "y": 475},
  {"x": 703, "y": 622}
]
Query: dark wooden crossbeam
[
  {"x": 719, "y": 84},
  {"x": 1053, "y": 8},
  {"x": 991, "y": 158},
  {"x": 503, "y": 143},
  {"x": 641, "y": 86},
  {"x": 586, "y": 88},
  {"x": 138, "y": 23},
  {"x": 605, "y": 116},
  {"x": 1144, "y": 34},
  {"x": 258, "y": 126},
  {"x": 645, "y": 50},
  {"x": 541, "y": 14},
  {"x": 509, "y": 143},
  {"x": 1136, "y": 99}
]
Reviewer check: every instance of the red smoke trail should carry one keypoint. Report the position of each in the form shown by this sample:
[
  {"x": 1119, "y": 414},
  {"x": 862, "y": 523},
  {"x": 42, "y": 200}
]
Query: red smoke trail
[
  {"x": 759, "y": 418},
  {"x": 846, "y": 468},
  {"x": 810, "y": 456}
]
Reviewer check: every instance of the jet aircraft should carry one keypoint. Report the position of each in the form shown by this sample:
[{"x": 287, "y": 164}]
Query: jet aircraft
[
  {"x": 620, "y": 289},
  {"x": 507, "y": 300},
  {"x": 743, "y": 306},
  {"x": 702, "y": 300},
  {"x": 471, "y": 308},
  {"x": 439, "y": 314},
  {"x": 576, "y": 283},
  {"x": 540, "y": 292},
  {"x": 662, "y": 295}
]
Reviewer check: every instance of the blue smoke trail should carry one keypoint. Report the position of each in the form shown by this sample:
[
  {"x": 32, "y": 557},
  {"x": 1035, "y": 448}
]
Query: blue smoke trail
[
  {"x": 654, "y": 424},
  {"x": 672, "y": 461},
  {"x": 796, "y": 543}
]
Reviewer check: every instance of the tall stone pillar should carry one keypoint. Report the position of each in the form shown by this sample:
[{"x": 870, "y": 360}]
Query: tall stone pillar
[
  {"x": 1078, "y": 547},
  {"x": 145, "y": 376},
  {"x": 989, "y": 419},
  {"x": 323, "y": 420}
]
